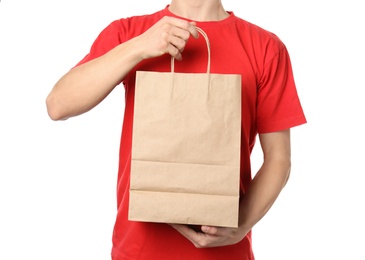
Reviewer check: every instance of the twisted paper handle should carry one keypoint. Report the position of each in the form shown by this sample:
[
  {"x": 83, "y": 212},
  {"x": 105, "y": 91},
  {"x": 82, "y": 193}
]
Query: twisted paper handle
[{"x": 208, "y": 47}]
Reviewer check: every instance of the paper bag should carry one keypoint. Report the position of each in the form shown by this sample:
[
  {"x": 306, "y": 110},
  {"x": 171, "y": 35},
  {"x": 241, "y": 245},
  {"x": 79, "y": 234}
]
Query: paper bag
[{"x": 186, "y": 147}]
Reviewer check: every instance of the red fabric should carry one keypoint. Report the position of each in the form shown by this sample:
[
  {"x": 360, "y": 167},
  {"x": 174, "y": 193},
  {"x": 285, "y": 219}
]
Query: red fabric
[{"x": 269, "y": 103}]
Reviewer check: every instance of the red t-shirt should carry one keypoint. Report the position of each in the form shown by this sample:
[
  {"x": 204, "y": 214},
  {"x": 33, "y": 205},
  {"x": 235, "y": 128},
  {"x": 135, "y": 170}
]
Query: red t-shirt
[{"x": 269, "y": 103}]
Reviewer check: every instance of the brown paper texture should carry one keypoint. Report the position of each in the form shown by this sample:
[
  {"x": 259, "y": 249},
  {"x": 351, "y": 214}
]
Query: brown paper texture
[{"x": 186, "y": 148}]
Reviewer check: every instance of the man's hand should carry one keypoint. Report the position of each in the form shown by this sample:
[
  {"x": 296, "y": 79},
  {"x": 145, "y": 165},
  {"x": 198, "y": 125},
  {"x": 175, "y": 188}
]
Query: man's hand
[
  {"x": 211, "y": 236},
  {"x": 169, "y": 35}
]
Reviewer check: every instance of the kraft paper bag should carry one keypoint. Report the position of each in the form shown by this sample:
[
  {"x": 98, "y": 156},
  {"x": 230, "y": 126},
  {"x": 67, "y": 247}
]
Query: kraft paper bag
[{"x": 186, "y": 148}]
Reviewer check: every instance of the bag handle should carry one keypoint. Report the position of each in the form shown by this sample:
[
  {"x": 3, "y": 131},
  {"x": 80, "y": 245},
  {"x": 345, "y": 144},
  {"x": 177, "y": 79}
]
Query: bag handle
[{"x": 208, "y": 46}]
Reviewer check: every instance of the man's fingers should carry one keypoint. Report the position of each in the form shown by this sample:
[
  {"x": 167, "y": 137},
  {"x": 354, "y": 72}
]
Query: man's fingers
[
  {"x": 178, "y": 42},
  {"x": 174, "y": 52},
  {"x": 192, "y": 29},
  {"x": 210, "y": 230},
  {"x": 175, "y": 34},
  {"x": 185, "y": 25}
]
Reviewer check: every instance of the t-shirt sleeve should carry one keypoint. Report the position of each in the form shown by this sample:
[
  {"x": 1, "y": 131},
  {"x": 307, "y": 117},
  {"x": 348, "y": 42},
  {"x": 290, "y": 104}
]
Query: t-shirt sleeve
[
  {"x": 110, "y": 37},
  {"x": 278, "y": 104}
]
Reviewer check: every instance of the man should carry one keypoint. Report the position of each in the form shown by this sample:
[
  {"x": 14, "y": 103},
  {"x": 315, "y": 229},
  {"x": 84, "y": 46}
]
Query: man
[{"x": 270, "y": 107}]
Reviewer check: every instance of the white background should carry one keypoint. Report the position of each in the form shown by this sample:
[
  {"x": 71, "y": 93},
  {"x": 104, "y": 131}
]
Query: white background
[{"x": 58, "y": 179}]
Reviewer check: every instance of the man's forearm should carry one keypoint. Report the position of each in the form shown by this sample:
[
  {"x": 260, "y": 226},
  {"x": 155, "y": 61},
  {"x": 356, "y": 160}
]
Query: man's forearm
[{"x": 264, "y": 190}]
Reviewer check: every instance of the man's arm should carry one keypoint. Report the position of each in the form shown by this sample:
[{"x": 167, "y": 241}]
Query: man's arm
[
  {"x": 85, "y": 86},
  {"x": 269, "y": 180},
  {"x": 264, "y": 190}
]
